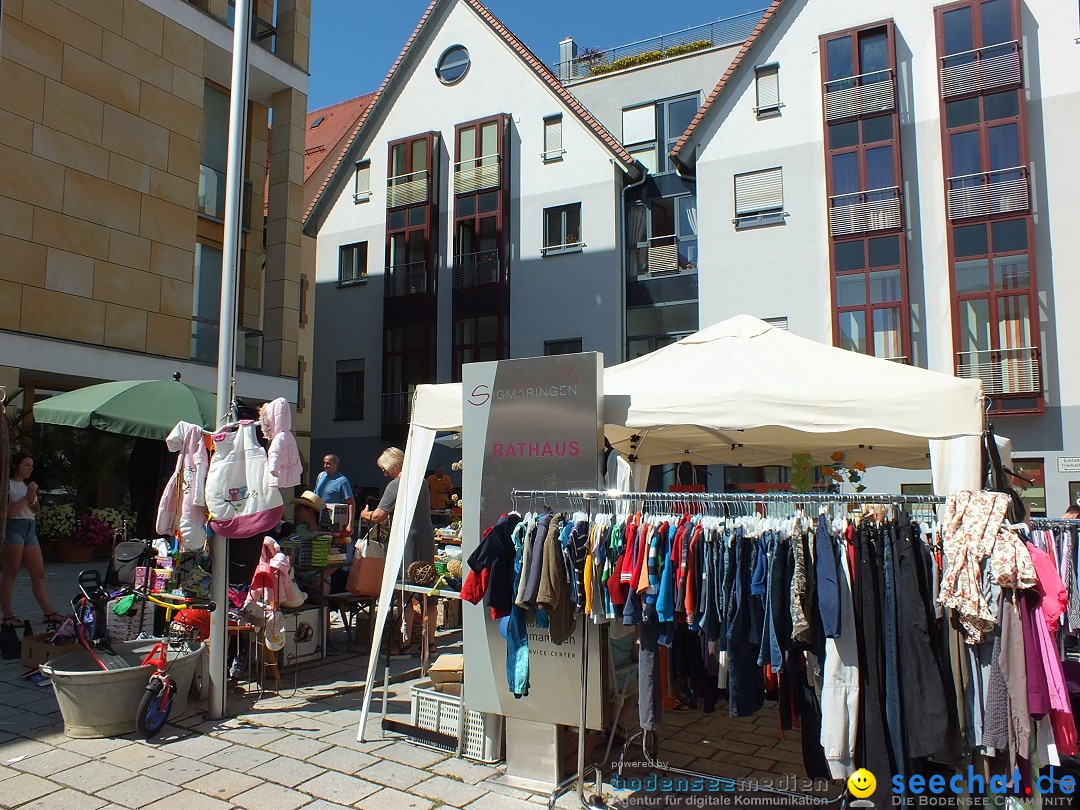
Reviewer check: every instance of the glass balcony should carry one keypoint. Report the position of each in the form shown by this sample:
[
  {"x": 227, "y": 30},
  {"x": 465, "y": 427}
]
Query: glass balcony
[
  {"x": 865, "y": 211},
  {"x": 477, "y": 174},
  {"x": 1003, "y": 371},
  {"x": 865, "y": 94},
  {"x": 477, "y": 269},
  {"x": 204, "y": 344},
  {"x": 981, "y": 69},
  {"x": 407, "y": 189},
  {"x": 1002, "y": 191},
  {"x": 211, "y": 201}
]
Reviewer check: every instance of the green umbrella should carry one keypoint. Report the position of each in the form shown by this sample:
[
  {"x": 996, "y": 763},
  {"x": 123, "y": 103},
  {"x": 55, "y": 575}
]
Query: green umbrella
[{"x": 148, "y": 408}]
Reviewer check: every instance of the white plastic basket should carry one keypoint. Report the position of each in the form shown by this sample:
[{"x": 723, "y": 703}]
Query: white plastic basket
[{"x": 436, "y": 711}]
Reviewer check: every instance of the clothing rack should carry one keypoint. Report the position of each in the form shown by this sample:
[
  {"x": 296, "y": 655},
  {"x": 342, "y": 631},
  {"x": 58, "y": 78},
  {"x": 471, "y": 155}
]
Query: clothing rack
[
  {"x": 1053, "y": 523},
  {"x": 586, "y": 499}
]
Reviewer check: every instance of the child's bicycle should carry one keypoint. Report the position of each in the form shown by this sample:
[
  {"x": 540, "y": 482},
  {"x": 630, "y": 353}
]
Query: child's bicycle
[{"x": 89, "y": 608}]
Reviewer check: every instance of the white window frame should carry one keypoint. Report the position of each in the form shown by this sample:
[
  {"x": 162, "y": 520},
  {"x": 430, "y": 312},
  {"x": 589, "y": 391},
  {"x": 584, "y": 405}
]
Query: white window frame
[
  {"x": 362, "y": 181},
  {"x": 553, "y": 146},
  {"x": 359, "y": 249},
  {"x": 566, "y": 246},
  {"x": 771, "y": 106},
  {"x": 758, "y": 208}
]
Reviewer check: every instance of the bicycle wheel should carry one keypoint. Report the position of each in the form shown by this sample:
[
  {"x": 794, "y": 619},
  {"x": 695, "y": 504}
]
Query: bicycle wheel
[{"x": 155, "y": 705}]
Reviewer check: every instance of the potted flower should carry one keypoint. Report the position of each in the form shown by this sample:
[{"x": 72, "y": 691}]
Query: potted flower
[{"x": 56, "y": 525}]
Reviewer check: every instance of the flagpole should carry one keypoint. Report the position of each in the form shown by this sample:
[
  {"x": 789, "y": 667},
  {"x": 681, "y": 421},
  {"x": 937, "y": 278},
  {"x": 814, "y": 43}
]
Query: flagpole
[{"x": 230, "y": 267}]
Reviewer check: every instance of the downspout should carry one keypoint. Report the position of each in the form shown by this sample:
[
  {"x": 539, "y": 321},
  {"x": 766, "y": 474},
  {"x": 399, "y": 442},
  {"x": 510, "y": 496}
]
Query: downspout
[{"x": 622, "y": 258}]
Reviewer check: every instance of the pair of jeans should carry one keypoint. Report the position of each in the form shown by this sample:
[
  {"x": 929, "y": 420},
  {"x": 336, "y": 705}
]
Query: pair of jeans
[
  {"x": 517, "y": 631},
  {"x": 650, "y": 710}
]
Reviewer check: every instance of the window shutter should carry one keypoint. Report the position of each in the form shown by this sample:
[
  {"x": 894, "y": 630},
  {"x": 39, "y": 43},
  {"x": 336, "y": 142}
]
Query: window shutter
[
  {"x": 768, "y": 87},
  {"x": 553, "y": 137},
  {"x": 757, "y": 192},
  {"x": 363, "y": 179}
]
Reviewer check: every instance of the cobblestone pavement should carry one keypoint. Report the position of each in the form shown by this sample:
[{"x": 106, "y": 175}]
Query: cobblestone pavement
[{"x": 296, "y": 748}]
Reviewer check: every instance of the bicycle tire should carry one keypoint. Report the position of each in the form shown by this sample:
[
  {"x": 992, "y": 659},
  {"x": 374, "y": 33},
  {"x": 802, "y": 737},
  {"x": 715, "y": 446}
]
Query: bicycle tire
[{"x": 154, "y": 707}]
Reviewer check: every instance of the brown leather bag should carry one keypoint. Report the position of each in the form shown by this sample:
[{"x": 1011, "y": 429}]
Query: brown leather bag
[{"x": 366, "y": 572}]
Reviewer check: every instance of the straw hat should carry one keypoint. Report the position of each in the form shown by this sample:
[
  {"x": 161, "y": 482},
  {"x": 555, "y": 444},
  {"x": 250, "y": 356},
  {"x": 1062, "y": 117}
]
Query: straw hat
[{"x": 310, "y": 500}]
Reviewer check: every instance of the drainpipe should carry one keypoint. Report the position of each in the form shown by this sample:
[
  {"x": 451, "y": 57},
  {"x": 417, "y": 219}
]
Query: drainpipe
[{"x": 622, "y": 259}]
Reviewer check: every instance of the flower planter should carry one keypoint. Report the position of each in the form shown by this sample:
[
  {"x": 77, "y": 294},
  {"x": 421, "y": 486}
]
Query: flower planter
[{"x": 71, "y": 551}]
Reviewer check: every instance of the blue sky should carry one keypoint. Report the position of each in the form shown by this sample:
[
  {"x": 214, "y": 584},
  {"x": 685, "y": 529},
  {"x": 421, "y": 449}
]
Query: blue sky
[{"x": 354, "y": 43}]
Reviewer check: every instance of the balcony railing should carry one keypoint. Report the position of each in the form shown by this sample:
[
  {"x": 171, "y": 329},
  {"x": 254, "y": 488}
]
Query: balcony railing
[
  {"x": 1003, "y": 371},
  {"x": 476, "y": 269},
  {"x": 476, "y": 174},
  {"x": 983, "y": 194},
  {"x": 863, "y": 211},
  {"x": 663, "y": 255},
  {"x": 407, "y": 279},
  {"x": 864, "y": 94},
  {"x": 407, "y": 189},
  {"x": 728, "y": 31},
  {"x": 396, "y": 408},
  {"x": 204, "y": 343},
  {"x": 981, "y": 69}
]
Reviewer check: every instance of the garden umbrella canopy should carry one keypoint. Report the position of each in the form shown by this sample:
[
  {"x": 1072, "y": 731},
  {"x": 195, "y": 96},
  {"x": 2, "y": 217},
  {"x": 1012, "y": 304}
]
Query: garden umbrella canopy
[{"x": 147, "y": 408}]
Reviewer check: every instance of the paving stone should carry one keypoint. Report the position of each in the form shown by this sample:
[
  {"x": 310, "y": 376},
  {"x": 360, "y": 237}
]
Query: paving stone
[
  {"x": 50, "y": 762},
  {"x": 285, "y": 771},
  {"x": 494, "y": 801},
  {"x": 137, "y": 791},
  {"x": 464, "y": 770},
  {"x": 20, "y": 748},
  {"x": 411, "y": 755},
  {"x": 224, "y": 784},
  {"x": 393, "y": 774},
  {"x": 297, "y": 747},
  {"x": 63, "y": 800},
  {"x": 189, "y": 800},
  {"x": 341, "y": 759},
  {"x": 270, "y": 797},
  {"x": 239, "y": 758},
  {"x": 255, "y": 736},
  {"x": 136, "y": 757},
  {"x": 447, "y": 791},
  {"x": 321, "y": 805},
  {"x": 179, "y": 770},
  {"x": 92, "y": 776},
  {"x": 7, "y": 773},
  {"x": 19, "y": 721},
  {"x": 196, "y": 746},
  {"x": 96, "y": 746},
  {"x": 24, "y": 787},
  {"x": 390, "y": 799},
  {"x": 338, "y": 787},
  {"x": 52, "y": 734}
]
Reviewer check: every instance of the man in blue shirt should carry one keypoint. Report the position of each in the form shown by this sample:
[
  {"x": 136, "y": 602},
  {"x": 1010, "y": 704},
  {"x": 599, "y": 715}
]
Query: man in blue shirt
[{"x": 333, "y": 487}]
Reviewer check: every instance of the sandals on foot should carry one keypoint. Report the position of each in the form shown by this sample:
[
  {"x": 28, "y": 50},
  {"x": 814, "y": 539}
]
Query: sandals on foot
[
  {"x": 53, "y": 621},
  {"x": 12, "y": 621}
]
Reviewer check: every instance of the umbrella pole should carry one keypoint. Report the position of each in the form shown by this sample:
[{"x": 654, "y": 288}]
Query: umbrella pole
[{"x": 230, "y": 260}]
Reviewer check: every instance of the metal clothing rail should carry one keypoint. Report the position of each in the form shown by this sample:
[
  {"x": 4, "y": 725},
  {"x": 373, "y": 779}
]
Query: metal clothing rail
[
  {"x": 589, "y": 497},
  {"x": 1051, "y": 523}
]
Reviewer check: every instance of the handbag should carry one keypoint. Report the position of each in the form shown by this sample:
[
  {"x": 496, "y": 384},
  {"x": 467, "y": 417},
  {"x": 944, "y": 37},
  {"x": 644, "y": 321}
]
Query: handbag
[
  {"x": 996, "y": 478},
  {"x": 366, "y": 572},
  {"x": 240, "y": 501}
]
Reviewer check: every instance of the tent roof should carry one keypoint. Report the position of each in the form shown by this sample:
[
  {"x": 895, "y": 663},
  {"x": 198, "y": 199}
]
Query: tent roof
[{"x": 745, "y": 392}]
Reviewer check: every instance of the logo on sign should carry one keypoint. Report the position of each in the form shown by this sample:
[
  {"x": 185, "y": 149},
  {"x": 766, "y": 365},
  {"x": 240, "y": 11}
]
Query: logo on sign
[{"x": 480, "y": 395}]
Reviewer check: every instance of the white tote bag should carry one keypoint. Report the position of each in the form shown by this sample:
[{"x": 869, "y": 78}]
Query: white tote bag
[{"x": 240, "y": 502}]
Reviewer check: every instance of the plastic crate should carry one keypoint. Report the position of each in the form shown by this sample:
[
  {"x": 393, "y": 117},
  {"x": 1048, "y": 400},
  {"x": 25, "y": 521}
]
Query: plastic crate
[{"x": 435, "y": 711}]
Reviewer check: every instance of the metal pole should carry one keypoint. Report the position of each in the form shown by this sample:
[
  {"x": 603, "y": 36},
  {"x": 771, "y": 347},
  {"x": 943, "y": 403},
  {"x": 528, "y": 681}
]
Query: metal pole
[{"x": 230, "y": 268}]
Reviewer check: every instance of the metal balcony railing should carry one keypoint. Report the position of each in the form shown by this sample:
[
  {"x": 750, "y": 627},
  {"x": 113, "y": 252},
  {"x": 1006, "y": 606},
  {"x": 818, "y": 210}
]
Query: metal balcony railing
[
  {"x": 864, "y": 94},
  {"x": 477, "y": 174},
  {"x": 863, "y": 211},
  {"x": 476, "y": 269},
  {"x": 396, "y": 408},
  {"x": 982, "y": 194},
  {"x": 1003, "y": 371},
  {"x": 663, "y": 255},
  {"x": 407, "y": 189},
  {"x": 407, "y": 279},
  {"x": 594, "y": 62},
  {"x": 981, "y": 69}
]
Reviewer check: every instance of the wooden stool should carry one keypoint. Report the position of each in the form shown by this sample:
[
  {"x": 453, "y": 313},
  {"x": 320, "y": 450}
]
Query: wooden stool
[{"x": 350, "y": 606}]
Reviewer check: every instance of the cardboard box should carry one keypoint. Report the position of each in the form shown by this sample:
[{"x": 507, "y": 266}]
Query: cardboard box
[
  {"x": 449, "y": 688},
  {"x": 447, "y": 669},
  {"x": 36, "y": 650}
]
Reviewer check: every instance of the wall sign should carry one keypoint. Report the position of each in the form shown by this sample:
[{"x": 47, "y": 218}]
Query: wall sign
[
  {"x": 1068, "y": 464},
  {"x": 534, "y": 423}
]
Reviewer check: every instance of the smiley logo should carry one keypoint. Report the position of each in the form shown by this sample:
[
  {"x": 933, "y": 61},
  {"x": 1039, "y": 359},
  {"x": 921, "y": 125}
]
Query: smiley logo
[{"x": 862, "y": 783}]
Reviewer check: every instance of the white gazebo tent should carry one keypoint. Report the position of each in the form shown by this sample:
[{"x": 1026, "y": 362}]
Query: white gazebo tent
[{"x": 744, "y": 392}]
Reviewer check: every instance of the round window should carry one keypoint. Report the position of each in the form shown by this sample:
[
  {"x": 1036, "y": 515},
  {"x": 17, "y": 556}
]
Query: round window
[{"x": 453, "y": 64}]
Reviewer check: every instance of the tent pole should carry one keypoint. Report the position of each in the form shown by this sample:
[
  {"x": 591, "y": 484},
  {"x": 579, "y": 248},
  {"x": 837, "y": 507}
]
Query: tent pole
[{"x": 230, "y": 266}]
